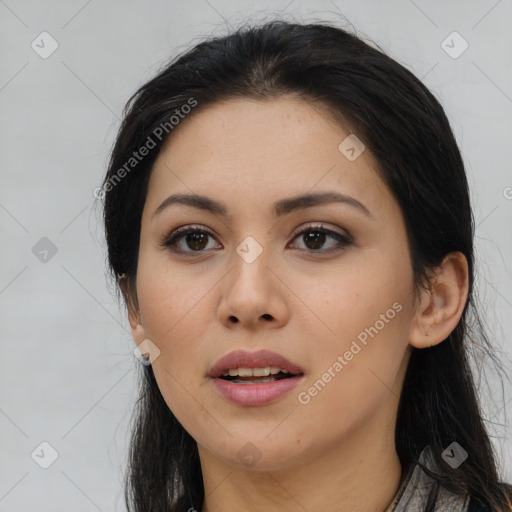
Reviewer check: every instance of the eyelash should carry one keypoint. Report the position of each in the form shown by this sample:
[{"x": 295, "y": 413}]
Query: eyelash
[{"x": 343, "y": 240}]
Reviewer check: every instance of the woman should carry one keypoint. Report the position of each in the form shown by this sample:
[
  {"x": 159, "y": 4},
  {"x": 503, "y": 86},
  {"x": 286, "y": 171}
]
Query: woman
[{"x": 288, "y": 216}]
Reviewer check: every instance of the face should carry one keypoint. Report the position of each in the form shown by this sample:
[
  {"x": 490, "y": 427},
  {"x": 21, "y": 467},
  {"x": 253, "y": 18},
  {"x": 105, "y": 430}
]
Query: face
[{"x": 327, "y": 285}]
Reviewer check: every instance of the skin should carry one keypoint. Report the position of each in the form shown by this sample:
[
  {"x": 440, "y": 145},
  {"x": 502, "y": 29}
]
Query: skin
[{"x": 308, "y": 306}]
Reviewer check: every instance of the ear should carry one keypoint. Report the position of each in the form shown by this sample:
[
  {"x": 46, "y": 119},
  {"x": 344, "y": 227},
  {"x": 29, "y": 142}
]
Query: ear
[
  {"x": 441, "y": 306},
  {"x": 128, "y": 289}
]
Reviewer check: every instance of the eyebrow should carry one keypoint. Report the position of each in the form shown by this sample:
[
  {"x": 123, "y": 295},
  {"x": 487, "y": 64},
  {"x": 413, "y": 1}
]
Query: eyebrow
[{"x": 281, "y": 207}]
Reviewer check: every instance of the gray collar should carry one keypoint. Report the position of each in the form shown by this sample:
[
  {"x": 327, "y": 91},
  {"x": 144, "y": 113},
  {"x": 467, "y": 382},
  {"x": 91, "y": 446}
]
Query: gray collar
[{"x": 419, "y": 487}]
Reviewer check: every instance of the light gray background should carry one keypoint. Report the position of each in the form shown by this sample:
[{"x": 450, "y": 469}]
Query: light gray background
[{"x": 67, "y": 373}]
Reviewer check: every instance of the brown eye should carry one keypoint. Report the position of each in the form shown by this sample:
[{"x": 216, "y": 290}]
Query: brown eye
[
  {"x": 315, "y": 237},
  {"x": 196, "y": 241},
  {"x": 188, "y": 239}
]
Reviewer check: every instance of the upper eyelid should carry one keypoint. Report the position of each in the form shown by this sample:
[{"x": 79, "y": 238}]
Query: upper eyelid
[
  {"x": 200, "y": 227},
  {"x": 321, "y": 226},
  {"x": 181, "y": 231}
]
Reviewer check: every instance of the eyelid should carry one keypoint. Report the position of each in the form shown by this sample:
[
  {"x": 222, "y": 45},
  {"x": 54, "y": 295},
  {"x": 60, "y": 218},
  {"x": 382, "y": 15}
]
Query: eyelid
[{"x": 320, "y": 226}]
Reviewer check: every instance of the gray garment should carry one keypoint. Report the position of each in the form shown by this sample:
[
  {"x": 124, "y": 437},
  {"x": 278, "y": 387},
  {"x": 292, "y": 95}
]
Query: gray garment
[{"x": 419, "y": 486}]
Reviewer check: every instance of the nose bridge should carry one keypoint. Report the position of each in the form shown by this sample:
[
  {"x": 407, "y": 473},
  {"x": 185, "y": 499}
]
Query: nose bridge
[
  {"x": 250, "y": 270},
  {"x": 251, "y": 290}
]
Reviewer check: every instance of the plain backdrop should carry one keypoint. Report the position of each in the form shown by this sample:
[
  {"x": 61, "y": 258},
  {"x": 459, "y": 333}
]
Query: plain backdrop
[{"x": 68, "y": 375}]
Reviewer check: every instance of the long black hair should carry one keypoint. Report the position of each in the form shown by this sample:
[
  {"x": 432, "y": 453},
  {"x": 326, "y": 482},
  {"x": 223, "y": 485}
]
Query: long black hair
[{"x": 406, "y": 130}]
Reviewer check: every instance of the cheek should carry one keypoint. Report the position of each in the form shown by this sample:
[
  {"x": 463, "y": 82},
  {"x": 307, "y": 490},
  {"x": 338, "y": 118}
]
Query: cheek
[
  {"x": 168, "y": 298},
  {"x": 173, "y": 310},
  {"x": 360, "y": 314},
  {"x": 356, "y": 366},
  {"x": 174, "y": 319},
  {"x": 369, "y": 286}
]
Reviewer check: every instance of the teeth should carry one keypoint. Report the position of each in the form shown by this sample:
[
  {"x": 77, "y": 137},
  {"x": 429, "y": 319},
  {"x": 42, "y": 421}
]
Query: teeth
[
  {"x": 258, "y": 372},
  {"x": 249, "y": 382},
  {"x": 253, "y": 372}
]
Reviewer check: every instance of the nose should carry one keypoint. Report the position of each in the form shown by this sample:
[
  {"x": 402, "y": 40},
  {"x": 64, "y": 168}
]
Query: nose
[{"x": 253, "y": 294}]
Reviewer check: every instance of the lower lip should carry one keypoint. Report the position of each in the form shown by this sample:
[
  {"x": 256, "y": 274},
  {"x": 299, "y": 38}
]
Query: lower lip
[{"x": 257, "y": 394}]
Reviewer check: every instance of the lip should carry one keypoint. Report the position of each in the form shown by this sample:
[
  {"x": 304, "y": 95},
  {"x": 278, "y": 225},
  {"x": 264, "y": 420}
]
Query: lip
[
  {"x": 259, "y": 359},
  {"x": 255, "y": 394}
]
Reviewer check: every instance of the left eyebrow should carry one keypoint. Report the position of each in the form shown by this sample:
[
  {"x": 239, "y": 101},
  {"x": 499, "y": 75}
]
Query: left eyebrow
[
  {"x": 288, "y": 205},
  {"x": 280, "y": 208}
]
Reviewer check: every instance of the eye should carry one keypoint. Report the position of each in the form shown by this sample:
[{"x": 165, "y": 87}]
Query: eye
[
  {"x": 195, "y": 238},
  {"x": 317, "y": 236},
  {"x": 190, "y": 239}
]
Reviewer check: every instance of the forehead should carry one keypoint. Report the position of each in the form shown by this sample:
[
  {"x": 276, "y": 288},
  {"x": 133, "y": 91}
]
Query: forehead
[
  {"x": 241, "y": 127},
  {"x": 267, "y": 149}
]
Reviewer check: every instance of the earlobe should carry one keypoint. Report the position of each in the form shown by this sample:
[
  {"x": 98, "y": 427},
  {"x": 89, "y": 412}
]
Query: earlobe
[
  {"x": 139, "y": 334},
  {"x": 133, "y": 317},
  {"x": 136, "y": 327},
  {"x": 441, "y": 306},
  {"x": 130, "y": 299}
]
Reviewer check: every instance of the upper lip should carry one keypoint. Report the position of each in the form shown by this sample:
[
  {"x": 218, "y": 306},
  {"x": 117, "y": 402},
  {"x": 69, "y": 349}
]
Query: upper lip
[{"x": 259, "y": 359}]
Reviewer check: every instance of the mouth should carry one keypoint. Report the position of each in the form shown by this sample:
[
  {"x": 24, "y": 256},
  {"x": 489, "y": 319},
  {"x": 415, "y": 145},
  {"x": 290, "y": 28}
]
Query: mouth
[
  {"x": 260, "y": 366},
  {"x": 255, "y": 378}
]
